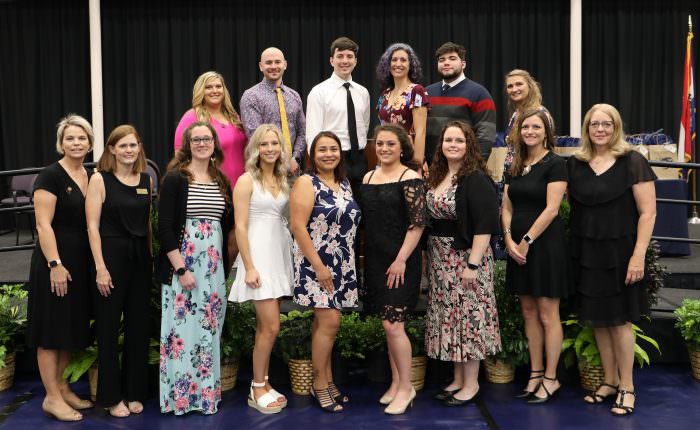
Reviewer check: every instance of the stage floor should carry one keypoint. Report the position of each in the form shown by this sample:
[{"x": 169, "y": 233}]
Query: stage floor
[{"x": 668, "y": 399}]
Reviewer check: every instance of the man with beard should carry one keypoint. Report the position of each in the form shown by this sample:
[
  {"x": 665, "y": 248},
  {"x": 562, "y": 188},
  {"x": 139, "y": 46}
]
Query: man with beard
[
  {"x": 272, "y": 102},
  {"x": 457, "y": 97}
]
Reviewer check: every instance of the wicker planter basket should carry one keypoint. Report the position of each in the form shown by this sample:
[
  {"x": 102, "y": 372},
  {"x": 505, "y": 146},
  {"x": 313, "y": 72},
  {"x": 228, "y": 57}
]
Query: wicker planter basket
[
  {"x": 694, "y": 355},
  {"x": 301, "y": 376},
  {"x": 7, "y": 373},
  {"x": 92, "y": 378},
  {"x": 591, "y": 375},
  {"x": 499, "y": 371},
  {"x": 229, "y": 374},
  {"x": 418, "y": 366}
]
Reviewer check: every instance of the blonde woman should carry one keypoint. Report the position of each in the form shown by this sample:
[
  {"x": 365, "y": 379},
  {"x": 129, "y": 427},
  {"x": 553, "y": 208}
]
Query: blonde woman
[
  {"x": 211, "y": 103},
  {"x": 117, "y": 207},
  {"x": 613, "y": 209},
  {"x": 264, "y": 265}
]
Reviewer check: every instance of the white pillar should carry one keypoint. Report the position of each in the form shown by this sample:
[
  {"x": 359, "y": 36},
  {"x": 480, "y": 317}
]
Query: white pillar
[
  {"x": 575, "y": 68},
  {"x": 96, "y": 78}
]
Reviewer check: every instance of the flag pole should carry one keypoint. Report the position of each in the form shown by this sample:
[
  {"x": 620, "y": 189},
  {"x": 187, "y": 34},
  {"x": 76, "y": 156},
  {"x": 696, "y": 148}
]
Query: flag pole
[{"x": 694, "y": 218}]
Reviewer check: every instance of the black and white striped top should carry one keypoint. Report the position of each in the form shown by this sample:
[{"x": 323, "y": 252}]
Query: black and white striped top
[{"x": 205, "y": 201}]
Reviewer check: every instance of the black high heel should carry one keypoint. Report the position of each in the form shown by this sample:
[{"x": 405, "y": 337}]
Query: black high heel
[
  {"x": 339, "y": 397},
  {"x": 525, "y": 394},
  {"x": 536, "y": 400},
  {"x": 621, "y": 404},
  {"x": 599, "y": 398},
  {"x": 325, "y": 400}
]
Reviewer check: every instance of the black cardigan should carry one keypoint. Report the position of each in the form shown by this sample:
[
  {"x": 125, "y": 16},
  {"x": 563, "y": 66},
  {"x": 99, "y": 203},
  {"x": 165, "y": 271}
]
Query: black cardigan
[
  {"x": 476, "y": 202},
  {"x": 172, "y": 212}
]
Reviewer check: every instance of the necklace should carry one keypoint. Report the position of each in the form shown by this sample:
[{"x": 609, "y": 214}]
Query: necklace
[{"x": 528, "y": 167}]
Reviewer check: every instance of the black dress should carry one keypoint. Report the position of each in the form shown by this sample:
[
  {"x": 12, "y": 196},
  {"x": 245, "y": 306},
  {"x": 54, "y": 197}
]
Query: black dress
[
  {"x": 603, "y": 234},
  {"x": 547, "y": 272},
  {"x": 124, "y": 235},
  {"x": 61, "y": 322},
  {"x": 388, "y": 212}
]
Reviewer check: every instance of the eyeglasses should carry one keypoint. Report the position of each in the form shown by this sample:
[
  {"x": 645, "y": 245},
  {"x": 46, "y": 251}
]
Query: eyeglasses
[
  {"x": 607, "y": 125},
  {"x": 206, "y": 140}
]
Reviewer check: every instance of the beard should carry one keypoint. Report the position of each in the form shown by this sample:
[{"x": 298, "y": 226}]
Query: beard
[{"x": 451, "y": 75}]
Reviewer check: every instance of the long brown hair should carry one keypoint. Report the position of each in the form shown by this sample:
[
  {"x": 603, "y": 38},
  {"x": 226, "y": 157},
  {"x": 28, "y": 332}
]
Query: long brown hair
[
  {"x": 108, "y": 161},
  {"x": 407, "y": 152},
  {"x": 516, "y": 169},
  {"x": 183, "y": 157},
  {"x": 472, "y": 159}
]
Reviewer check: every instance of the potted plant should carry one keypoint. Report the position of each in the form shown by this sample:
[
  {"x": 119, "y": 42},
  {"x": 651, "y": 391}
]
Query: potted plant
[
  {"x": 500, "y": 369},
  {"x": 688, "y": 323},
  {"x": 415, "y": 330},
  {"x": 350, "y": 345},
  {"x": 295, "y": 346},
  {"x": 12, "y": 323},
  {"x": 378, "y": 369},
  {"x": 580, "y": 347},
  {"x": 237, "y": 341}
]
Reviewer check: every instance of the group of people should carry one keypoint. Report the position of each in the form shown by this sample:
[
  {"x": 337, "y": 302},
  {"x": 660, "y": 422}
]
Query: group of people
[{"x": 233, "y": 196}]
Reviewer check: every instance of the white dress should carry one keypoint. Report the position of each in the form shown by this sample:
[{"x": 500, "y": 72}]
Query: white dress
[{"x": 270, "y": 249}]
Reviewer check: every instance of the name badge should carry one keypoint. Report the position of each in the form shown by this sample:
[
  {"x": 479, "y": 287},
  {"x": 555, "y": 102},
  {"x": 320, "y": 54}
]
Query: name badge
[{"x": 142, "y": 191}]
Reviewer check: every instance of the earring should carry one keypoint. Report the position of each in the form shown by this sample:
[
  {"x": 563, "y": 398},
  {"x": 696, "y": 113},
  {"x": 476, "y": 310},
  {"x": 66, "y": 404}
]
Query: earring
[{"x": 213, "y": 159}]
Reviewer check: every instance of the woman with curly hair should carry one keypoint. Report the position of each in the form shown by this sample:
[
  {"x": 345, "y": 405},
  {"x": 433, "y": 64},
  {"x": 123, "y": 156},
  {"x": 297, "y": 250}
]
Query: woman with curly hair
[
  {"x": 403, "y": 101},
  {"x": 461, "y": 319},
  {"x": 264, "y": 265},
  {"x": 195, "y": 220}
]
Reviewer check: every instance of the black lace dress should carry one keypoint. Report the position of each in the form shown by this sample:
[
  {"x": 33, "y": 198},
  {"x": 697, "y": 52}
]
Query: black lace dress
[
  {"x": 389, "y": 211},
  {"x": 603, "y": 234}
]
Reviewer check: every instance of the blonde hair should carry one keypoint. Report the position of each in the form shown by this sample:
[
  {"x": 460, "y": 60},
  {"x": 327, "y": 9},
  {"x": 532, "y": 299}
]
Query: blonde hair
[
  {"x": 617, "y": 146},
  {"x": 534, "y": 94},
  {"x": 252, "y": 157},
  {"x": 77, "y": 121},
  {"x": 200, "y": 107},
  {"x": 108, "y": 161}
]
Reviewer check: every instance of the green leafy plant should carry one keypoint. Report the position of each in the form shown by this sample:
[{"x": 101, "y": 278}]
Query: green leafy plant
[
  {"x": 353, "y": 336},
  {"x": 238, "y": 333},
  {"x": 80, "y": 363},
  {"x": 688, "y": 322},
  {"x": 510, "y": 319},
  {"x": 580, "y": 344},
  {"x": 375, "y": 337},
  {"x": 295, "y": 335},
  {"x": 13, "y": 319},
  {"x": 415, "y": 330}
]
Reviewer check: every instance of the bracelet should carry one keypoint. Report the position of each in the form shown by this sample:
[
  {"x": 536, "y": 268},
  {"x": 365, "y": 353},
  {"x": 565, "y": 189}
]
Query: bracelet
[
  {"x": 472, "y": 266},
  {"x": 506, "y": 231},
  {"x": 528, "y": 239}
]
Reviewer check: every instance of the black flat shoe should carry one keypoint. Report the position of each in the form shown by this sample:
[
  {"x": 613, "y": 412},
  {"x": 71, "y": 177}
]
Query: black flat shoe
[
  {"x": 452, "y": 401},
  {"x": 443, "y": 394},
  {"x": 627, "y": 410},
  {"x": 599, "y": 398},
  {"x": 534, "y": 400},
  {"x": 527, "y": 394}
]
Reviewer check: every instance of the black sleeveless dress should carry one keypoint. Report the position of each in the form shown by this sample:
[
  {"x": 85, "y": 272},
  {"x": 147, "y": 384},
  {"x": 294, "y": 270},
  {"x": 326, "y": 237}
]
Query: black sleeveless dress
[
  {"x": 547, "y": 272},
  {"x": 388, "y": 212},
  {"x": 603, "y": 226},
  {"x": 62, "y": 322}
]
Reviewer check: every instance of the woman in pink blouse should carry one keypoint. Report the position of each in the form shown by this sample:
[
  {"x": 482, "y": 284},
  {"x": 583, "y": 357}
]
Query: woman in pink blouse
[{"x": 211, "y": 103}]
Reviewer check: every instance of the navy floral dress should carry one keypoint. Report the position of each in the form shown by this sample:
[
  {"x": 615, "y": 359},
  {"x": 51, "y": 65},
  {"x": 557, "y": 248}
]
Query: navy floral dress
[{"x": 333, "y": 228}]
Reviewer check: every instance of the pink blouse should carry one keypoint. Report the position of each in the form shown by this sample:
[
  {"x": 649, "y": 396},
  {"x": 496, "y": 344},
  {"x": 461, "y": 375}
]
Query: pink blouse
[{"x": 231, "y": 138}]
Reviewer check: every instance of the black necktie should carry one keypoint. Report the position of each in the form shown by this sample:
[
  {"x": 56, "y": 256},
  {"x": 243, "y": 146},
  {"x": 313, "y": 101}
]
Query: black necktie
[
  {"x": 352, "y": 124},
  {"x": 445, "y": 87}
]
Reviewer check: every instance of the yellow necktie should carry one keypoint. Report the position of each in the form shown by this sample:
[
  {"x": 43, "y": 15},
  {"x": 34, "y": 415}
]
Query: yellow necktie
[{"x": 285, "y": 124}]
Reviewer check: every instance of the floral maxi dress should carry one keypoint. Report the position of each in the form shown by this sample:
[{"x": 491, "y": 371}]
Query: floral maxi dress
[{"x": 191, "y": 324}]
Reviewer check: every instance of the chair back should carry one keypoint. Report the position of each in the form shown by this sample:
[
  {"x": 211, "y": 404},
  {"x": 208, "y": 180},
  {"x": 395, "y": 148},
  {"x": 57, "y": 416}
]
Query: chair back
[{"x": 23, "y": 184}]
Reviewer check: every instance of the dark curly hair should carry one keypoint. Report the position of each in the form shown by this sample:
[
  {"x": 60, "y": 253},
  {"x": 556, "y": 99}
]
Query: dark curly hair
[
  {"x": 472, "y": 159},
  {"x": 407, "y": 152},
  {"x": 415, "y": 73}
]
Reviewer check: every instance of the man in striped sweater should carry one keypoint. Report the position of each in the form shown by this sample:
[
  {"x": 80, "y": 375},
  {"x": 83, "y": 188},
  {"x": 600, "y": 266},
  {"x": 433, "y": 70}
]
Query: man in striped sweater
[{"x": 457, "y": 97}]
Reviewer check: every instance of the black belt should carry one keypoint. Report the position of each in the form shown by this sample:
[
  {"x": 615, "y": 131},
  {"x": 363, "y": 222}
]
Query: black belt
[{"x": 443, "y": 228}]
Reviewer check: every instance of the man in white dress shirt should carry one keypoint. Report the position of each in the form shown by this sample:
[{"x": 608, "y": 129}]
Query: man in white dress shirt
[{"x": 341, "y": 105}]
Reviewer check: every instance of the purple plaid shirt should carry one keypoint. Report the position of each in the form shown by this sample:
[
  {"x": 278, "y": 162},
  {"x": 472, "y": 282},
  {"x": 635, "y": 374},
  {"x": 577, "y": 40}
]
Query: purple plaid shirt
[{"x": 259, "y": 106}]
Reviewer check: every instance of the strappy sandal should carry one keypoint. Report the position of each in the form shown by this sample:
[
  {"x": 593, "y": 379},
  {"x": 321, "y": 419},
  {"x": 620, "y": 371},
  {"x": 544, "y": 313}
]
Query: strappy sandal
[
  {"x": 621, "y": 404},
  {"x": 599, "y": 398},
  {"x": 525, "y": 394},
  {"x": 262, "y": 403},
  {"x": 325, "y": 400},
  {"x": 277, "y": 394},
  {"x": 537, "y": 400},
  {"x": 339, "y": 397}
]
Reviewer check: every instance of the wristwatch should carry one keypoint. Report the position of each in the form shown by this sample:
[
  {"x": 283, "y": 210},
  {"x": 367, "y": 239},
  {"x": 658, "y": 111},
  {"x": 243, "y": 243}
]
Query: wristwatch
[
  {"x": 181, "y": 271},
  {"x": 472, "y": 266},
  {"x": 54, "y": 263},
  {"x": 528, "y": 239}
]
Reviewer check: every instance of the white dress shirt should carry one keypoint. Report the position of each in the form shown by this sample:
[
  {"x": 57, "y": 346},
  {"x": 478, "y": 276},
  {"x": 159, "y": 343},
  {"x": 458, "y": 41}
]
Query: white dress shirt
[
  {"x": 326, "y": 110},
  {"x": 455, "y": 82}
]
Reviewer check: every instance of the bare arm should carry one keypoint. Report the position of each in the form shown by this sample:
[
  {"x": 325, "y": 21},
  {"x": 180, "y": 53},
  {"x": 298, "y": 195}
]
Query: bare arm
[
  {"x": 93, "y": 212},
  {"x": 645, "y": 198},
  {"x": 506, "y": 218},
  {"x": 44, "y": 209},
  {"x": 420, "y": 118},
  {"x": 241, "y": 195}
]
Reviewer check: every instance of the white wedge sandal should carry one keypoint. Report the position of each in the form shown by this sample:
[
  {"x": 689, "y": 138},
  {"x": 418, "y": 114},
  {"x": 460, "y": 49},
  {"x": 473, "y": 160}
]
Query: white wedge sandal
[{"x": 262, "y": 403}]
